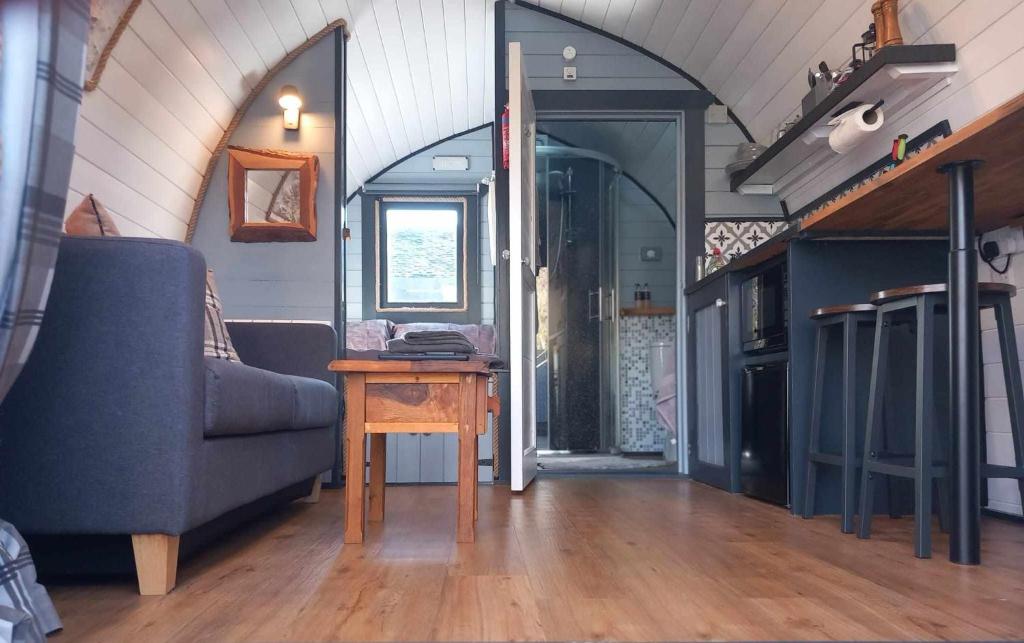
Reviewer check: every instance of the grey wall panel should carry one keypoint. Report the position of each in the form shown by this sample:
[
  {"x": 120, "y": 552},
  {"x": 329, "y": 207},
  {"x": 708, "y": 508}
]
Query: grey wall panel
[
  {"x": 720, "y": 141},
  {"x": 432, "y": 457},
  {"x": 279, "y": 280},
  {"x": 391, "y": 475},
  {"x": 451, "y": 458},
  {"x": 407, "y": 458},
  {"x": 601, "y": 63},
  {"x": 643, "y": 225},
  {"x": 416, "y": 174}
]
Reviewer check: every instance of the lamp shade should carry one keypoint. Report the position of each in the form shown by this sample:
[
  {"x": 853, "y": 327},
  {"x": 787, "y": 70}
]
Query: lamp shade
[{"x": 288, "y": 97}]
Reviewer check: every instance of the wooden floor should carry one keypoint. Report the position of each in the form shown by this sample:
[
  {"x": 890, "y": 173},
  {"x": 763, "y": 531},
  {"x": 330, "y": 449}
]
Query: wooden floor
[{"x": 573, "y": 558}]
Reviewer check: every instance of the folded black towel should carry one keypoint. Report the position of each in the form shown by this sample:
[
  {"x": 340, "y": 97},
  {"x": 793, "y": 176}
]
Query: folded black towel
[{"x": 431, "y": 341}]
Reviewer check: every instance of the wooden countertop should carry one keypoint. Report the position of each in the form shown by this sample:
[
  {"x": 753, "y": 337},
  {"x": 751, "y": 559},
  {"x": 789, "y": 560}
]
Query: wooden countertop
[{"x": 914, "y": 197}]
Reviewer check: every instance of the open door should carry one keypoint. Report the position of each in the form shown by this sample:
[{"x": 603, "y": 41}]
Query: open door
[{"x": 522, "y": 271}]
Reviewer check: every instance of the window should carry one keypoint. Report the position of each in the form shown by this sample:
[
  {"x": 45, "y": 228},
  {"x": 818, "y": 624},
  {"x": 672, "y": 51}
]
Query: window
[{"x": 421, "y": 254}]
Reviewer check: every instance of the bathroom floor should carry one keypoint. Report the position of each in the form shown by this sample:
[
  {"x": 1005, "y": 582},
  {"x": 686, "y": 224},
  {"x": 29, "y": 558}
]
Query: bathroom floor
[{"x": 604, "y": 463}]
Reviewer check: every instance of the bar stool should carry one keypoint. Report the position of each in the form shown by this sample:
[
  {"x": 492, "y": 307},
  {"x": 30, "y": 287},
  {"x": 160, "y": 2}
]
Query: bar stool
[
  {"x": 850, "y": 319},
  {"x": 920, "y": 305}
]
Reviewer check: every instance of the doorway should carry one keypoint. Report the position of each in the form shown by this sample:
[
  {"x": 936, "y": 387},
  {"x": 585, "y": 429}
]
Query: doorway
[{"x": 606, "y": 291}]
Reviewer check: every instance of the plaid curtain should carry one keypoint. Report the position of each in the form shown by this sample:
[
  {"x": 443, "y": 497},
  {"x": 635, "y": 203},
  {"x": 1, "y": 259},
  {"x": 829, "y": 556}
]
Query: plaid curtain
[{"x": 42, "y": 53}]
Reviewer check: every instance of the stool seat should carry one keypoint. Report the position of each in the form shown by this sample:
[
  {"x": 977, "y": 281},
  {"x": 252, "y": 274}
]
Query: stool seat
[
  {"x": 893, "y": 294},
  {"x": 829, "y": 311}
]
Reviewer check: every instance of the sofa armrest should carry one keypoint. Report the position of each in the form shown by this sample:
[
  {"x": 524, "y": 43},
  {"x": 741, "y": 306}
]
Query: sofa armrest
[
  {"x": 99, "y": 431},
  {"x": 292, "y": 348}
]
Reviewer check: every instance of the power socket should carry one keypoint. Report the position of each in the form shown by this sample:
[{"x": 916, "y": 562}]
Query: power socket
[
  {"x": 568, "y": 73},
  {"x": 1002, "y": 242}
]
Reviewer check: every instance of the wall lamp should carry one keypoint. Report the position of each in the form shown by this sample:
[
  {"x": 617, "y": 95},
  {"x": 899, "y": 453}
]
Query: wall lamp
[{"x": 290, "y": 101}]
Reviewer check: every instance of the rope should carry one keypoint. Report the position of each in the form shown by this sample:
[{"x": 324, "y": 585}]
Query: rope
[
  {"x": 108, "y": 49},
  {"x": 246, "y": 104}
]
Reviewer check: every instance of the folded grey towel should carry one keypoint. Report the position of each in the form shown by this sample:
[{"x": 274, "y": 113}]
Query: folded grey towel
[{"x": 431, "y": 341}]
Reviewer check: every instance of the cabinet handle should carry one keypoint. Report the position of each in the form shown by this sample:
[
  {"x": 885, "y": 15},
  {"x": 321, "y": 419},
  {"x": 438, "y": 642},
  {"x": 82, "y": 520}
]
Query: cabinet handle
[{"x": 720, "y": 303}]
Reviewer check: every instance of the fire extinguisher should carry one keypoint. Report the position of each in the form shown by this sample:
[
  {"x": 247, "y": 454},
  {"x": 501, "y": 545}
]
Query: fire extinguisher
[{"x": 504, "y": 138}]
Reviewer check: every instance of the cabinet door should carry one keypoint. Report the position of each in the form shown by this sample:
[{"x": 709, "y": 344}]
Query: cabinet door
[{"x": 709, "y": 444}]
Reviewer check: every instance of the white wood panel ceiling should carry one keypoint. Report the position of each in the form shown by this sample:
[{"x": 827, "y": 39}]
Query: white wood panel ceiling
[
  {"x": 754, "y": 54},
  {"x": 418, "y": 71}
]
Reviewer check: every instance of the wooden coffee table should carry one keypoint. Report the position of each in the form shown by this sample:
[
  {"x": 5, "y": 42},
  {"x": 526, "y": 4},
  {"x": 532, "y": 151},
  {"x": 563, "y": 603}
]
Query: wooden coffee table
[{"x": 391, "y": 396}]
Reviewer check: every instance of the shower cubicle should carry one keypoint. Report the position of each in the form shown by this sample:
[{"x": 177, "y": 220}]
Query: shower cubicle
[{"x": 578, "y": 375}]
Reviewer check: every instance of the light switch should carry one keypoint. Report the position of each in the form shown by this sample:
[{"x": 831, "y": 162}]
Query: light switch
[
  {"x": 650, "y": 253},
  {"x": 718, "y": 114}
]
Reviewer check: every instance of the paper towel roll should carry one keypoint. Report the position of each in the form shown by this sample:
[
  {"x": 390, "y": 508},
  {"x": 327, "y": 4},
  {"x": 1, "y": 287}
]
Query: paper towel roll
[{"x": 852, "y": 127}]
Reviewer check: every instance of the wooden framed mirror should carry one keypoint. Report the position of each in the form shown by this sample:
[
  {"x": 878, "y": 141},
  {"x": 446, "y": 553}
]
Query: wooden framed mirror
[{"x": 271, "y": 195}]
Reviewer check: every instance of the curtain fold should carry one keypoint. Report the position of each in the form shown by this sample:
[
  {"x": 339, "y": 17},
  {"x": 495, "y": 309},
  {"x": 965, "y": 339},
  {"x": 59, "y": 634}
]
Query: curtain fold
[
  {"x": 41, "y": 68},
  {"x": 42, "y": 56}
]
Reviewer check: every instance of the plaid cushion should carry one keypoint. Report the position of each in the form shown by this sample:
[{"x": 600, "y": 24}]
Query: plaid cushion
[{"x": 217, "y": 341}]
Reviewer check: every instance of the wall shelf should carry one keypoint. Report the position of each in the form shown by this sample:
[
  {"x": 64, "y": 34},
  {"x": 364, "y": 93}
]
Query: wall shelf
[
  {"x": 650, "y": 311},
  {"x": 903, "y": 76}
]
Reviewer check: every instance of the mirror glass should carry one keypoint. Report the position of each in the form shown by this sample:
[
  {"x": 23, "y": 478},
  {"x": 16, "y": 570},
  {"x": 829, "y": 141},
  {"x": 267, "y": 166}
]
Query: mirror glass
[{"x": 272, "y": 196}]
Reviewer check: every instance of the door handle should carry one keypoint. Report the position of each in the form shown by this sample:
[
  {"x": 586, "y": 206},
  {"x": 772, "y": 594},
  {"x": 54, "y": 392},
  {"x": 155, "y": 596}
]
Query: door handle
[
  {"x": 720, "y": 303},
  {"x": 590, "y": 304}
]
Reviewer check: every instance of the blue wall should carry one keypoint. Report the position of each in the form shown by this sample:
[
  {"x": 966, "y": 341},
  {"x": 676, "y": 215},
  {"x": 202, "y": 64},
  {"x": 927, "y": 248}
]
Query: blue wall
[
  {"x": 416, "y": 174},
  {"x": 282, "y": 281},
  {"x": 602, "y": 63}
]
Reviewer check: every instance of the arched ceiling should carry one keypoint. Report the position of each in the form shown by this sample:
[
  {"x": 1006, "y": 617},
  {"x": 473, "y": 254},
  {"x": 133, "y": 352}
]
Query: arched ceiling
[
  {"x": 418, "y": 71},
  {"x": 751, "y": 54},
  {"x": 645, "y": 150}
]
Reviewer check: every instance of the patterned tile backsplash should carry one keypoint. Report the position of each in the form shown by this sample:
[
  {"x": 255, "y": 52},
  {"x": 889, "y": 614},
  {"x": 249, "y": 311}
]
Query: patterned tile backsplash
[
  {"x": 736, "y": 238},
  {"x": 639, "y": 430}
]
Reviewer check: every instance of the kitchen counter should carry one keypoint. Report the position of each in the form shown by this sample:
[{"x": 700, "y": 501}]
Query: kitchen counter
[
  {"x": 912, "y": 199},
  {"x": 836, "y": 255}
]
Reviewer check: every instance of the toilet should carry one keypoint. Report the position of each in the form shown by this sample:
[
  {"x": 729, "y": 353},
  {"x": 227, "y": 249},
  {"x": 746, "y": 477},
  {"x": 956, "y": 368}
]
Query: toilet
[{"x": 663, "y": 383}]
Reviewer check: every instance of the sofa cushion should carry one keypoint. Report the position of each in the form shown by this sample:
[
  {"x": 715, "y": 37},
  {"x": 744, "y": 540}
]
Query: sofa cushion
[
  {"x": 91, "y": 219},
  {"x": 242, "y": 400},
  {"x": 480, "y": 335}
]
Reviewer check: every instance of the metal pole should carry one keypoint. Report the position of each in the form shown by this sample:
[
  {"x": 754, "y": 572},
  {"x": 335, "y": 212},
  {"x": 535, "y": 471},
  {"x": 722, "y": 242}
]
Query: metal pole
[{"x": 965, "y": 417}]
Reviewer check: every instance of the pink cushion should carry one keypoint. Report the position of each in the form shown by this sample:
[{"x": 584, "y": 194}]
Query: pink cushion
[{"x": 369, "y": 335}]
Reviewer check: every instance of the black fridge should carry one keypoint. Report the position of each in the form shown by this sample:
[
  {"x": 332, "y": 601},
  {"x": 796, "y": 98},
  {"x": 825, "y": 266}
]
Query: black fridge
[{"x": 764, "y": 456}]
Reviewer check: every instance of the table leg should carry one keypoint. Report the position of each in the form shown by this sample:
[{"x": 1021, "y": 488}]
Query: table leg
[
  {"x": 378, "y": 467},
  {"x": 965, "y": 393},
  {"x": 465, "y": 529},
  {"x": 355, "y": 441},
  {"x": 481, "y": 423}
]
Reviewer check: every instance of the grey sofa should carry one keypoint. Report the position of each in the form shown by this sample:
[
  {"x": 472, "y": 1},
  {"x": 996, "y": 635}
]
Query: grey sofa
[{"x": 119, "y": 425}]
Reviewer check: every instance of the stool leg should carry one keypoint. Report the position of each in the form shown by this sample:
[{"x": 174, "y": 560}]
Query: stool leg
[
  {"x": 923, "y": 429},
  {"x": 1011, "y": 374},
  {"x": 942, "y": 489},
  {"x": 890, "y": 481},
  {"x": 849, "y": 470},
  {"x": 876, "y": 390},
  {"x": 815, "y": 429}
]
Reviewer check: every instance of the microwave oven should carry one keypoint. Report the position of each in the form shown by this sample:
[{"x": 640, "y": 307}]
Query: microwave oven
[{"x": 764, "y": 314}]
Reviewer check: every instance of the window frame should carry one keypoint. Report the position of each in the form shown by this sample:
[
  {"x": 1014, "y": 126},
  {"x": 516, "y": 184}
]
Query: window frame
[{"x": 375, "y": 301}]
